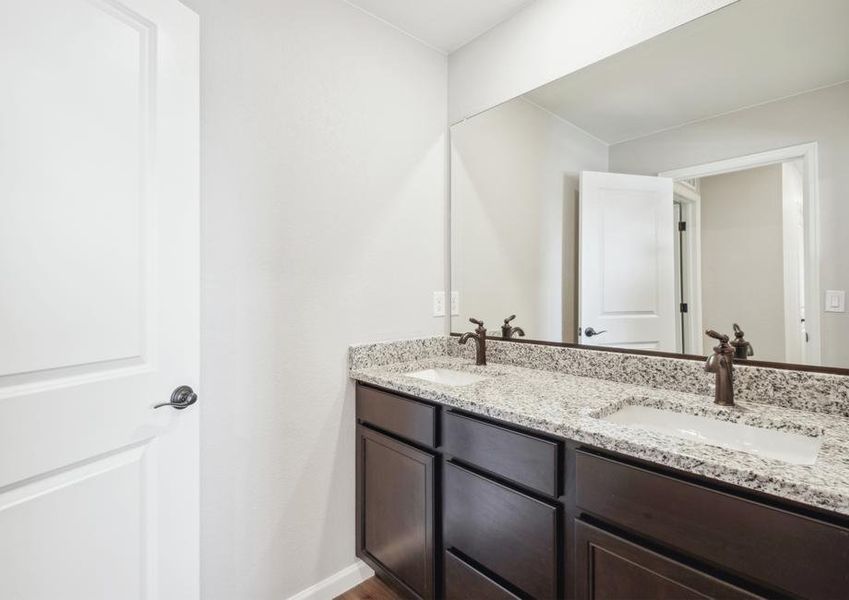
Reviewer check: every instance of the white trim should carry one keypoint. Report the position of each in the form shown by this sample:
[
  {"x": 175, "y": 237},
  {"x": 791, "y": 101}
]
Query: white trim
[
  {"x": 741, "y": 163},
  {"x": 338, "y": 583},
  {"x": 447, "y": 243},
  {"x": 808, "y": 154},
  {"x": 795, "y": 348},
  {"x": 691, "y": 213}
]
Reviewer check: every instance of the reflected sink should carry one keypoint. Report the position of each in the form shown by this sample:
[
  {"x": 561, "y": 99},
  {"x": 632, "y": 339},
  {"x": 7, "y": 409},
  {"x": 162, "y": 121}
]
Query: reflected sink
[
  {"x": 792, "y": 448},
  {"x": 447, "y": 376}
]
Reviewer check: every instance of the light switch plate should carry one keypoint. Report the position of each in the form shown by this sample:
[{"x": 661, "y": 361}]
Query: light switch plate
[
  {"x": 455, "y": 304},
  {"x": 835, "y": 301},
  {"x": 439, "y": 304}
]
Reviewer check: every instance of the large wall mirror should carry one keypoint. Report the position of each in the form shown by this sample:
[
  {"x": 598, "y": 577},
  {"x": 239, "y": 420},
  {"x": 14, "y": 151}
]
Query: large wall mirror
[{"x": 698, "y": 180}]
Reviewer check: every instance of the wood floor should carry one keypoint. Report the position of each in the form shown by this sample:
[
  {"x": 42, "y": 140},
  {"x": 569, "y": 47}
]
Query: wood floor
[{"x": 370, "y": 589}]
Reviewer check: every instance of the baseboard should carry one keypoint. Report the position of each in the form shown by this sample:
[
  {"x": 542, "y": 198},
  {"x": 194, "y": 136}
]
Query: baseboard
[{"x": 341, "y": 581}]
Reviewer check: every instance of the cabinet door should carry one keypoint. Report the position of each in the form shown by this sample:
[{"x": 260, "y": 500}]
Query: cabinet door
[
  {"x": 611, "y": 568},
  {"x": 395, "y": 510}
]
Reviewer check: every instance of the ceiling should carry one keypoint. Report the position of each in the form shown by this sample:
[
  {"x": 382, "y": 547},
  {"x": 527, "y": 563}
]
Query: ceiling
[
  {"x": 748, "y": 53},
  {"x": 443, "y": 24}
]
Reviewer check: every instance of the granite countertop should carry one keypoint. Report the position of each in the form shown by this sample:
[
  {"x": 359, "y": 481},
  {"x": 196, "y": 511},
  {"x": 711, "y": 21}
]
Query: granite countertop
[{"x": 569, "y": 406}]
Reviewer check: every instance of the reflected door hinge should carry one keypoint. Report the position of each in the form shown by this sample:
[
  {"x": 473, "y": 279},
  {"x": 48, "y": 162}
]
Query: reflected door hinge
[
  {"x": 682, "y": 225},
  {"x": 684, "y": 308}
]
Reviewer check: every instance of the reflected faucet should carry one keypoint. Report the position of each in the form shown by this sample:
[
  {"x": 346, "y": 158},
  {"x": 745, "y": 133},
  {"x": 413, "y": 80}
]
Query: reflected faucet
[
  {"x": 507, "y": 331},
  {"x": 721, "y": 362},
  {"x": 479, "y": 336},
  {"x": 742, "y": 348}
]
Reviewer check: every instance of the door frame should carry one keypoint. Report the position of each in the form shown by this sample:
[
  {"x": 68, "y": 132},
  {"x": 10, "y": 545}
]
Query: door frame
[
  {"x": 807, "y": 153},
  {"x": 691, "y": 213}
]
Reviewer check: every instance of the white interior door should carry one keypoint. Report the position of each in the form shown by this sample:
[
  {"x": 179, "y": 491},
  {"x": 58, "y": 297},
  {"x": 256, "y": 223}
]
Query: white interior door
[
  {"x": 627, "y": 289},
  {"x": 98, "y": 299}
]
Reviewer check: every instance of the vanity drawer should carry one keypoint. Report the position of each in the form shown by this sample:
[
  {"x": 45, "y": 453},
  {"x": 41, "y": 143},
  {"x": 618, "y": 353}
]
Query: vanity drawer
[
  {"x": 611, "y": 568},
  {"x": 766, "y": 545},
  {"x": 415, "y": 421},
  {"x": 464, "y": 582},
  {"x": 507, "y": 532},
  {"x": 526, "y": 459}
]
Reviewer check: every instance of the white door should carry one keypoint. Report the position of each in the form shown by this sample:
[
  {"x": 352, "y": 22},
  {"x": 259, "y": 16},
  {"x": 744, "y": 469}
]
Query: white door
[
  {"x": 627, "y": 289},
  {"x": 98, "y": 299}
]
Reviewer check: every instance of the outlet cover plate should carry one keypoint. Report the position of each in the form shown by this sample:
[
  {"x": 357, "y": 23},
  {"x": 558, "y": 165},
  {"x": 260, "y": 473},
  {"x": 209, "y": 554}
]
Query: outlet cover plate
[
  {"x": 439, "y": 304},
  {"x": 835, "y": 301}
]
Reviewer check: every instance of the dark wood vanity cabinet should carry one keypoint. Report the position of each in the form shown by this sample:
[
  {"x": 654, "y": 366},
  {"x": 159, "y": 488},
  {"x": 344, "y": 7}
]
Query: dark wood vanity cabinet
[
  {"x": 396, "y": 511},
  {"x": 458, "y": 506},
  {"x": 453, "y": 506}
]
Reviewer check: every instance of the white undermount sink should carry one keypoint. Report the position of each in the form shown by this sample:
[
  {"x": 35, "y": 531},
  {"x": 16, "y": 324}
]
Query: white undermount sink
[
  {"x": 792, "y": 448},
  {"x": 447, "y": 376}
]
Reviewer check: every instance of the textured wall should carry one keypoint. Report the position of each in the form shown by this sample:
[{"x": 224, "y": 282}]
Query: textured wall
[{"x": 323, "y": 182}]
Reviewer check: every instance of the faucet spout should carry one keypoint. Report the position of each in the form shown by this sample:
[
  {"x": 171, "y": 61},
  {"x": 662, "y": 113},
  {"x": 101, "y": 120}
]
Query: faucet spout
[{"x": 479, "y": 335}]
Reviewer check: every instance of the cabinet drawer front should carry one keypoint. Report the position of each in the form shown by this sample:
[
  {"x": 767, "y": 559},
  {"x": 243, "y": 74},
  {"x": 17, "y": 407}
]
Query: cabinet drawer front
[
  {"x": 509, "y": 533},
  {"x": 407, "y": 418},
  {"x": 766, "y": 545},
  {"x": 611, "y": 568},
  {"x": 464, "y": 582},
  {"x": 396, "y": 509},
  {"x": 525, "y": 459}
]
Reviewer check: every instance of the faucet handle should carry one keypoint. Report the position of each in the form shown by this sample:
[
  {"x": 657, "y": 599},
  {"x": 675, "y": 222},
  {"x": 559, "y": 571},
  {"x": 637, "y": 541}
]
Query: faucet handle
[
  {"x": 477, "y": 322},
  {"x": 742, "y": 347},
  {"x": 723, "y": 339},
  {"x": 508, "y": 319}
]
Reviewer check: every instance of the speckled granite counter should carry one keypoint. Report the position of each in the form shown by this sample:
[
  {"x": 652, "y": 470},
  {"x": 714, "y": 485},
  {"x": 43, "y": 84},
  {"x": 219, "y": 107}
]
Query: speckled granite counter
[{"x": 567, "y": 405}]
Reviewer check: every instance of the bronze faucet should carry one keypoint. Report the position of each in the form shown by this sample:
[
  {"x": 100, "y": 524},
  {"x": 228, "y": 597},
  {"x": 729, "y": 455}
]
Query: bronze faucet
[
  {"x": 480, "y": 341},
  {"x": 507, "y": 331},
  {"x": 742, "y": 348},
  {"x": 721, "y": 362}
]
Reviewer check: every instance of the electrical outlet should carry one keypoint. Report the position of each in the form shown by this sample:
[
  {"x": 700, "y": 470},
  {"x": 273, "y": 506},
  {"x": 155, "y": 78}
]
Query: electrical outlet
[
  {"x": 439, "y": 304},
  {"x": 455, "y": 304}
]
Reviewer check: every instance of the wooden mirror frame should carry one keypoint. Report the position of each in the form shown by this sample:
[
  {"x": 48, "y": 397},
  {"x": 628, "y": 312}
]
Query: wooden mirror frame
[{"x": 751, "y": 363}]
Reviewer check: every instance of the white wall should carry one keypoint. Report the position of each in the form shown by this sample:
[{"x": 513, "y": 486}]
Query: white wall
[
  {"x": 822, "y": 117},
  {"x": 551, "y": 38},
  {"x": 514, "y": 177},
  {"x": 743, "y": 258},
  {"x": 323, "y": 179}
]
